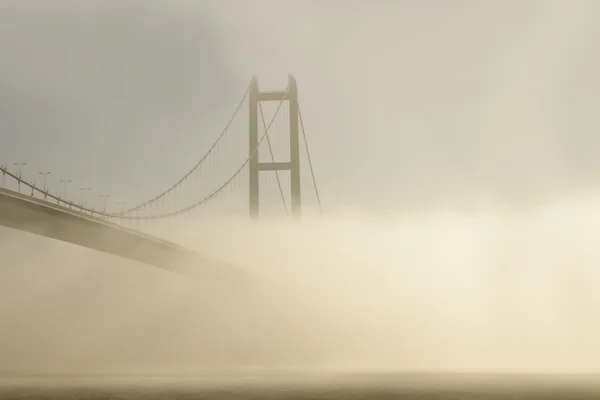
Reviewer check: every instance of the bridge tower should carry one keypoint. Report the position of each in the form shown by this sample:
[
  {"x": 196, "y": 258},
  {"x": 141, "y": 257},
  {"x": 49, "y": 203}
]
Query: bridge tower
[{"x": 255, "y": 166}]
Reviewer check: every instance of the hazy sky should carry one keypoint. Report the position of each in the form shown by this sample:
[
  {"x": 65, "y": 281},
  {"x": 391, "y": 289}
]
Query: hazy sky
[{"x": 406, "y": 103}]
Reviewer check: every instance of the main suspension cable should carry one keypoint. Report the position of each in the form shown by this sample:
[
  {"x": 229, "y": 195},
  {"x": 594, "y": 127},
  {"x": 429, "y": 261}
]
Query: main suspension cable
[
  {"x": 174, "y": 186},
  {"x": 312, "y": 172},
  {"x": 217, "y": 191}
]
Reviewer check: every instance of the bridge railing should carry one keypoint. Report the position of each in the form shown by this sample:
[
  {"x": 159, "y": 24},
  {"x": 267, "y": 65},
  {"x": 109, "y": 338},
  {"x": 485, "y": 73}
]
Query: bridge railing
[{"x": 47, "y": 194}]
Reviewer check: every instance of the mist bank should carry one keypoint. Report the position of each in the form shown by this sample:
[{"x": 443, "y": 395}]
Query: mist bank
[{"x": 478, "y": 290}]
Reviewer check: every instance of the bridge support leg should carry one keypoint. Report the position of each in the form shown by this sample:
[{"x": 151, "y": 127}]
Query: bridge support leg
[
  {"x": 294, "y": 148},
  {"x": 253, "y": 150}
]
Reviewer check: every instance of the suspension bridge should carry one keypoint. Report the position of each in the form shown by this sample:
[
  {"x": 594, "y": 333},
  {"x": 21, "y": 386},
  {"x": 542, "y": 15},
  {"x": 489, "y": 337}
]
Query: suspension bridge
[{"x": 128, "y": 232}]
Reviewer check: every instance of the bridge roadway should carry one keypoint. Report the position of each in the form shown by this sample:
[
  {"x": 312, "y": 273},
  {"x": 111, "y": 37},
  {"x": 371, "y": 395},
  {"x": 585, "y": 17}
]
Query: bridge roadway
[{"x": 40, "y": 217}]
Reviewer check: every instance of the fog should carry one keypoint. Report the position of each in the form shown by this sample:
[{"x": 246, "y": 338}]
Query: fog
[
  {"x": 483, "y": 291},
  {"x": 454, "y": 146}
]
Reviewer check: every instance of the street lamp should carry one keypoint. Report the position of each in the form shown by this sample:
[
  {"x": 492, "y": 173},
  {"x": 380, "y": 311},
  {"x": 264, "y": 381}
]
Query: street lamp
[
  {"x": 65, "y": 183},
  {"x": 122, "y": 204},
  {"x": 19, "y": 170},
  {"x": 85, "y": 190},
  {"x": 104, "y": 202},
  {"x": 45, "y": 177}
]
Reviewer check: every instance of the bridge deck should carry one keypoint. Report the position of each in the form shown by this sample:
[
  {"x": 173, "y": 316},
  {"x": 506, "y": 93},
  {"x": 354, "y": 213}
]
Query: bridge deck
[{"x": 37, "y": 216}]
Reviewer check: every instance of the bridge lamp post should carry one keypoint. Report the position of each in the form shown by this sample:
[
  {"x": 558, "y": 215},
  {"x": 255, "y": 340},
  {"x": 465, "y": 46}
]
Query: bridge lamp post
[
  {"x": 19, "y": 168},
  {"x": 85, "y": 190},
  {"x": 45, "y": 178},
  {"x": 122, "y": 205},
  {"x": 65, "y": 183},
  {"x": 104, "y": 198},
  {"x": 19, "y": 173}
]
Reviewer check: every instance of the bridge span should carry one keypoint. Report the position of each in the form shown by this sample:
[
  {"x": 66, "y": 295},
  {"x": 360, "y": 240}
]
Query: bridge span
[{"x": 40, "y": 217}]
